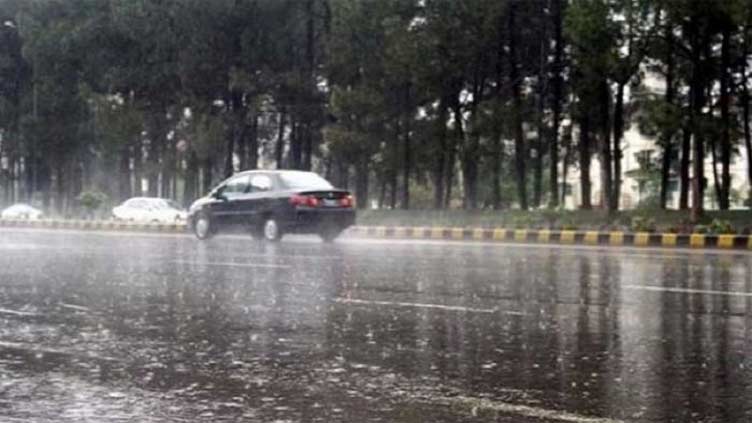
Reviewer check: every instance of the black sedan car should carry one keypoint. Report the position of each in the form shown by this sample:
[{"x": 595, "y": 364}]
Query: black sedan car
[{"x": 273, "y": 203}]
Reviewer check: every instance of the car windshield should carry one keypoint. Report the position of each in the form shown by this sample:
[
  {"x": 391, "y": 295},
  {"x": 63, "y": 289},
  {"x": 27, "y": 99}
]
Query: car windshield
[{"x": 308, "y": 180}]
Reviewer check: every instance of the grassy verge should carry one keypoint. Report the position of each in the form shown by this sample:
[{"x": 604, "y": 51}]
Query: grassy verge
[{"x": 672, "y": 221}]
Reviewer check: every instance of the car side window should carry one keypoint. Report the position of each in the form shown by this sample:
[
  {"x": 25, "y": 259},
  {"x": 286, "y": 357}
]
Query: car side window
[
  {"x": 261, "y": 183},
  {"x": 236, "y": 186}
]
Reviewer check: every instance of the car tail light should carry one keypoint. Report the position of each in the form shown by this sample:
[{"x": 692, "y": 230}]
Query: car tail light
[
  {"x": 347, "y": 201},
  {"x": 304, "y": 200}
]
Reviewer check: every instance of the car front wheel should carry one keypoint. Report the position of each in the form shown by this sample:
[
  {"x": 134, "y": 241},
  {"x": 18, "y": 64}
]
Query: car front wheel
[{"x": 202, "y": 227}]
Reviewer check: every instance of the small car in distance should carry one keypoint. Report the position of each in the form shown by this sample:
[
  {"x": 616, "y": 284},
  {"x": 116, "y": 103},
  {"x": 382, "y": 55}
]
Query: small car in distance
[
  {"x": 149, "y": 210},
  {"x": 21, "y": 211},
  {"x": 272, "y": 203}
]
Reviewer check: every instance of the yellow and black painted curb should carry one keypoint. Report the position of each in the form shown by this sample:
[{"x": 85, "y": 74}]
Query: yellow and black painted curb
[
  {"x": 563, "y": 237},
  {"x": 543, "y": 236},
  {"x": 96, "y": 225}
]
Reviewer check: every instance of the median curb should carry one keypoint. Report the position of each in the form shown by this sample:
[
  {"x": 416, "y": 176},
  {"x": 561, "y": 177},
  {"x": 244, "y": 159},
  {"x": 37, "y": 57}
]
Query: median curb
[
  {"x": 499, "y": 235},
  {"x": 96, "y": 225},
  {"x": 560, "y": 237}
]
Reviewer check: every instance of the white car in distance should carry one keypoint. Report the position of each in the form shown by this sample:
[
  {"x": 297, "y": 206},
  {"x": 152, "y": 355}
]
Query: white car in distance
[
  {"x": 149, "y": 210},
  {"x": 21, "y": 211}
]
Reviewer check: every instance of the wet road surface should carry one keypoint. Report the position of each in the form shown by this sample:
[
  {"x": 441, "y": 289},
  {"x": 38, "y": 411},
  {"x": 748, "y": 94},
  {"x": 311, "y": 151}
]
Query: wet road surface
[{"x": 130, "y": 328}]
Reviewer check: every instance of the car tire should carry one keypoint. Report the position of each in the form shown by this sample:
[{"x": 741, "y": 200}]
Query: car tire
[
  {"x": 271, "y": 230},
  {"x": 329, "y": 234},
  {"x": 203, "y": 227}
]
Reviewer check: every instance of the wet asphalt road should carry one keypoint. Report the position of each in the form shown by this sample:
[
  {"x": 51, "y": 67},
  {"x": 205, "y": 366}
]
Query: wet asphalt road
[{"x": 139, "y": 328}]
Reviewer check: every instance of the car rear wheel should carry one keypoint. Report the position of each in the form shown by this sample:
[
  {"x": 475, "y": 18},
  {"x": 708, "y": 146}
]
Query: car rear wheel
[
  {"x": 272, "y": 231},
  {"x": 202, "y": 227}
]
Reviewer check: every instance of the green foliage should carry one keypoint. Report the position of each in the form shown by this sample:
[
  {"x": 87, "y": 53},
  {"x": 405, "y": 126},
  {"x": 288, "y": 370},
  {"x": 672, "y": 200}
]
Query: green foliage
[
  {"x": 642, "y": 224},
  {"x": 383, "y": 89},
  {"x": 91, "y": 201},
  {"x": 720, "y": 227}
]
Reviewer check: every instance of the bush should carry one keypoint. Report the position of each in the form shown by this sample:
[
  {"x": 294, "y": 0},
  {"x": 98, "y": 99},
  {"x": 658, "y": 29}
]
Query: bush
[
  {"x": 642, "y": 224},
  {"x": 91, "y": 201},
  {"x": 721, "y": 227},
  {"x": 700, "y": 229}
]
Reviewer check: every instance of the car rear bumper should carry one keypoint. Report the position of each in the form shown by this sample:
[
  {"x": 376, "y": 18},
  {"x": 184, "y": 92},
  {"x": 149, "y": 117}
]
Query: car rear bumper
[{"x": 313, "y": 220}]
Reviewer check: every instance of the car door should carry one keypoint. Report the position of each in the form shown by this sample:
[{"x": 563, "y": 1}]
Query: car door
[
  {"x": 138, "y": 210},
  {"x": 253, "y": 204},
  {"x": 225, "y": 210}
]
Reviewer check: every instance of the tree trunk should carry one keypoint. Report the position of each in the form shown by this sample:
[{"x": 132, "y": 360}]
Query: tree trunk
[
  {"x": 461, "y": 135},
  {"x": 253, "y": 144},
  {"x": 295, "y": 144},
  {"x": 407, "y": 163},
  {"x": 584, "y": 147},
  {"x": 382, "y": 191},
  {"x": 229, "y": 167},
  {"x": 61, "y": 184},
  {"x": 684, "y": 179},
  {"x": 393, "y": 167},
  {"x": 606, "y": 160},
  {"x": 618, "y": 153},
  {"x": 697, "y": 101},
  {"x": 520, "y": 150},
  {"x": 168, "y": 169},
  {"x": 207, "y": 174},
  {"x": 153, "y": 170},
  {"x": 725, "y": 189},
  {"x": 157, "y": 140},
  {"x": 307, "y": 153},
  {"x": 441, "y": 122},
  {"x": 665, "y": 174},
  {"x": 567, "y": 145},
  {"x": 553, "y": 151},
  {"x": 138, "y": 168},
  {"x": 124, "y": 175},
  {"x": 667, "y": 138},
  {"x": 280, "y": 148},
  {"x": 496, "y": 160},
  {"x": 745, "y": 119},
  {"x": 542, "y": 92},
  {"x": 191, "y": 179},
  {"x": 717, "y": 188},
  {"x": 305, "y": 163},
  {"x": 451, "y": 159},
  {"x": 241, "y": 143},
  {"x": 361, "y": 183}
]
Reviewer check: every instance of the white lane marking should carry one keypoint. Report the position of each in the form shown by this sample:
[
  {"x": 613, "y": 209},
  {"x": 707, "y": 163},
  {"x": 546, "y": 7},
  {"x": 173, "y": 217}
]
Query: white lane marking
[
  {"x": 231, "y": 264},
  {"x": 528, "y": 411},
  {"x": 30, "y": 348},
  {"x": 687, "y": 290},
  {"x": 74, "y": 307},
  {"x": 423, "y": 305},
  {"x": 17, "y": 313}
]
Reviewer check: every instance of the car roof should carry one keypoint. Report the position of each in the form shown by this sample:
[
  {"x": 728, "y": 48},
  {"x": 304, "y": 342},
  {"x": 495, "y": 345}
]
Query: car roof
[
  {"x": 273, "y": 171},
  {"x": 146, "y": 198},
  {"x": 19, "y": 205}
]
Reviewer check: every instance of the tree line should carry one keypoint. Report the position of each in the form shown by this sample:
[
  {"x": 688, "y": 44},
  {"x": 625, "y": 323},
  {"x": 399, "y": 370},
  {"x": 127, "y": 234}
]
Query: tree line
[{"x": 409, "y": 103}]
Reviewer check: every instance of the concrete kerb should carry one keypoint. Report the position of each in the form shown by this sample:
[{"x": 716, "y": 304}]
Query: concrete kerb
[
  {"x": 93, "y": 225},
  {"x": 565, "y": 237},
  {"x": 543, "y": 236}
]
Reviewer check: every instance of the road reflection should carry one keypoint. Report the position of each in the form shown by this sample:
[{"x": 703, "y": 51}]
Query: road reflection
[{"x": 163, "y": 329}]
